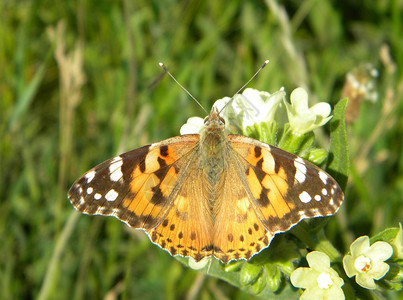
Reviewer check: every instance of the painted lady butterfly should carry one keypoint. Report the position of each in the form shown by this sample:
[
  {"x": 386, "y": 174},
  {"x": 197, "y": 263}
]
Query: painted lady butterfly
[{"x": 207, "y": 195}]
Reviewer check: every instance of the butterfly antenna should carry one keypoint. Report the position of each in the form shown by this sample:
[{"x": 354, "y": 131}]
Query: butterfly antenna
[
  {"x": 183, "y": 88},
  {"x": 253, "y": 77}
]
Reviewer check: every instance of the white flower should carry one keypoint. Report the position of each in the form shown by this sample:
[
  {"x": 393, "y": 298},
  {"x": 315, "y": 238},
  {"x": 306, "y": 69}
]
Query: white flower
[
  {"x": 320, "y": 281},
  {"x": 302, "y": 118},
  {"x": 193, "y": 125},
  {"x": 255, "y": 106},
  {"x": 366, "y": 262},
  {"x": 246, "y": 109}
]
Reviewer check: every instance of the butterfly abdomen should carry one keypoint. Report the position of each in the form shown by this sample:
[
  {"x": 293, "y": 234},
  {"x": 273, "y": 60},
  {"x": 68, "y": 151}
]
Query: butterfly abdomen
[{"x": 212, "y": 162}]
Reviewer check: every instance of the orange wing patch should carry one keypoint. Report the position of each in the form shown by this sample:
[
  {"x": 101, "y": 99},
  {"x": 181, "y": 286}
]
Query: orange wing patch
[
  {"x": 280, "y": 181},
  {"x": 138, "y": 190},
  {"x": 187, "y": 229},
  {"x": 239, "y": 233}
]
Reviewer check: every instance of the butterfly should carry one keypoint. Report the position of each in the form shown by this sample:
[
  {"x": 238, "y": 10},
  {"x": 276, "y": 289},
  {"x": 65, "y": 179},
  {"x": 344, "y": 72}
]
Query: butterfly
[{"x": 208, "y": 195}]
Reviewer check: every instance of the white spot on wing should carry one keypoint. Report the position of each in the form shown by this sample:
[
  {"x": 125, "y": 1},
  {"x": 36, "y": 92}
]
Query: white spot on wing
[
  {"x": 82, "y": 200},
  {"x": 300, "y": 170},
  {"x": 116, "y": 159},
  {"x": 90, "y": 190},
  {"x": 317, "y": 197},
  {"x": 301, "y": 214},
  {"x": 111, "y": 195},
  {"x": 115, "y": 169},
  {"x": 116, "y": 175},
  {"x": 324, "y": 191},
  {"x": 90, "y": 176},
  {"x": 305, "y": 197},
  {"x": 97, "y": 196},
  {"x": 323, "y": 177}
]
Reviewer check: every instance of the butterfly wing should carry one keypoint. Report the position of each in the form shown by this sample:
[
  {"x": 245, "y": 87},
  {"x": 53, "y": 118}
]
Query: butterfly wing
[
  {"x": 187, "y": 228},
  {"x": 285, "y": 187},
  {"x": 269, "y": 191},
  {"x": 238, "y": 230},
  {"x": 155, "y": 188},
  {"x": 136, "y": 187},
  {"x": 160, "y": 188}
]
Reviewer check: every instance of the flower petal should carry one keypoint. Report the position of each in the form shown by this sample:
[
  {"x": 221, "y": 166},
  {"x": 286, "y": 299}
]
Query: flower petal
[
  {"x": 321, "y": 122},
  {"x": 220, "y": 103},
  {"x": 256, "y": 97},
  {"x": 322, "y": 109},
  {"x": 318, "y": 261},
  {"x": 359, "y": 246},
  {"x": 313, "y": 293},
  {"x": 193, "y": 126},
  {"x": 348, "y": 264},
  {"x": 303, "y": 278},
  {"x": 378, "y": 270},
  {"x": 337, "y": 281},
  {"x": 198, "y": 265},
  {"x": 365, "y": 281},
  {"x": 299, "y": 99},
  {"x": 257, "y": 106},
  {"x": 303, "y": 119},
  {"x": 336, "y": 293},
  {"x": 380, "y": 251}
]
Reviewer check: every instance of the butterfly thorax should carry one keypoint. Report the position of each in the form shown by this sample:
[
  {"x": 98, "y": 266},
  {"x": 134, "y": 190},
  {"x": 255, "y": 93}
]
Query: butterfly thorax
[{"x": 213, "y": 143}]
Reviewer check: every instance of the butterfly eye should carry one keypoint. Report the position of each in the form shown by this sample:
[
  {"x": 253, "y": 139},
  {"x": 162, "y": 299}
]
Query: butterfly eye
[
  {"x": 206, "y": 119},
  {"x": 222, "y": 121}
]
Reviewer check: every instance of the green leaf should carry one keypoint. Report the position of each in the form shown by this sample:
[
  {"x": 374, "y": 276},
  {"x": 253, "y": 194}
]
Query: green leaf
[
  {"x": 264, "y": 132},
  {"x": 257, "y": 285},
  {"x": 28, "y": 92},
  {"x": 387, "y": 235},
  {"x": 296, "y": 144},
  {"x": 316, "y": 156},
  {"x": 339, "y": 162}
]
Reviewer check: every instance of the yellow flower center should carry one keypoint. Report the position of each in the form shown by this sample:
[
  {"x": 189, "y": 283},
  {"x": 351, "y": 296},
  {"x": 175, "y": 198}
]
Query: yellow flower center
[
  {"x": 362, "y": 263},
  {"x": 324, "y": 281}
]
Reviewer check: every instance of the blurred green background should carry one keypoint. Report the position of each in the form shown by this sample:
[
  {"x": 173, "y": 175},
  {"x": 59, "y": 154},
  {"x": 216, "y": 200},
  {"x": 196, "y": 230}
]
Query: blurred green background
[{"x": 80, "y": 82}]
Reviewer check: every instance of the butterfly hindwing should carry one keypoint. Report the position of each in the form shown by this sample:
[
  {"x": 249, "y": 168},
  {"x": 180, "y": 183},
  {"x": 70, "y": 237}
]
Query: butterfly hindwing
[
  {"x": 238, "y": 230},
  {"x": 187, "y": 228}
]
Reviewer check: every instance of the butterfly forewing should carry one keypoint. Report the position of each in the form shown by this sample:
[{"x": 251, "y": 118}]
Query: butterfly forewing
[
  {"x": 285, "y": 187},
  {"x": 136, "y": 187}
]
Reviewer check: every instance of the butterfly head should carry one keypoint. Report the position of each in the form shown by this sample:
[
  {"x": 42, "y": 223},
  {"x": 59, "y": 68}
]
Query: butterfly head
[{"x": 213, "y": 122}]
